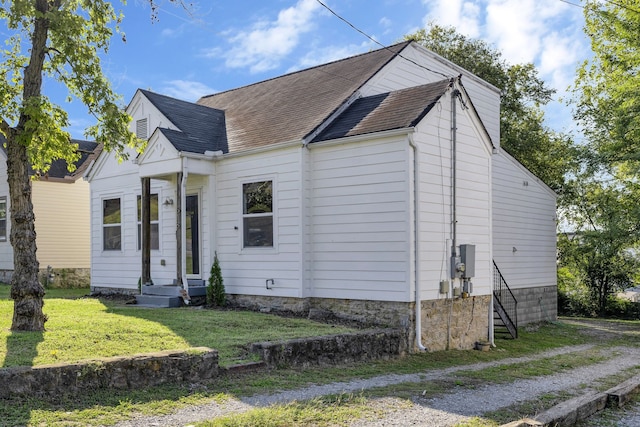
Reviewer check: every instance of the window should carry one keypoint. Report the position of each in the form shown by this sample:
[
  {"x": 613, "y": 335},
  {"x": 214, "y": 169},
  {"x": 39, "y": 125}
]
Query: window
[
  {"x": 3, "y": 219},
  {"x": 155, "y": 241},
  {"x": 257, "y": 214},
  {"x": 111, "y": 225}
]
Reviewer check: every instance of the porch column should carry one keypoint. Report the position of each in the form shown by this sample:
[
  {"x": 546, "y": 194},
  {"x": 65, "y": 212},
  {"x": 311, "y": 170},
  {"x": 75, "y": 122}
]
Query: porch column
[
  {"x": 145, "y": 214},
  {"x": 179, "y": 242}
]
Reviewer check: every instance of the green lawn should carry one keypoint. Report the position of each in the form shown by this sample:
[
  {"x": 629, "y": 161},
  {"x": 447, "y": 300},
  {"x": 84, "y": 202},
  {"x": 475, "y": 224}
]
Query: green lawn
[{"x": 84, "y": 328}]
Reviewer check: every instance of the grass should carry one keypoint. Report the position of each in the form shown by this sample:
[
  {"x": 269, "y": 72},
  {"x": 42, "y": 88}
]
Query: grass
[
  {"x": 87, "y": 328},
  {"x": 108, "y": 407}
]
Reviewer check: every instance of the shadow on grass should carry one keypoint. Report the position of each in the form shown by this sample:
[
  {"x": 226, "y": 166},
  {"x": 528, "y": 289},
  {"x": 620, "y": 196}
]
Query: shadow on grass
[
  {"x": 22, "y": 348},
  {"x": 100, "y": 407}
]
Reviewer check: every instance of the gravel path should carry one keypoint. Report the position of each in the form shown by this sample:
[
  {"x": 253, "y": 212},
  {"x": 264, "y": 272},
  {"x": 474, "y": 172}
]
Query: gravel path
[{"x": 444, "y": 410}]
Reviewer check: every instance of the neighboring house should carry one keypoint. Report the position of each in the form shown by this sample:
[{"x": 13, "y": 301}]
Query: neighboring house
[
  {"x": 631, "y": 294},
  {"x": 338, "y": 189},
  {"x": 61, "y": 205}
]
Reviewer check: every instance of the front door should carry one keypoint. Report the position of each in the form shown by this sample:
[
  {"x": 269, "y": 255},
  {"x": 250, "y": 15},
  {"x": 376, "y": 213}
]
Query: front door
[{"x": 193, "y": 236}]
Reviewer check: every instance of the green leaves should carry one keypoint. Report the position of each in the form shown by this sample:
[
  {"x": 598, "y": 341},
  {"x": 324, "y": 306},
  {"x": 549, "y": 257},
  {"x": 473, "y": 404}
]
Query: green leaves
[{"x": 78, "y": 32}]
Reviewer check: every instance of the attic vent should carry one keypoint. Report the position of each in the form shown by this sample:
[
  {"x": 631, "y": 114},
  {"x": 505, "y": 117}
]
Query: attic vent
[{"x": 141, "y": 129}]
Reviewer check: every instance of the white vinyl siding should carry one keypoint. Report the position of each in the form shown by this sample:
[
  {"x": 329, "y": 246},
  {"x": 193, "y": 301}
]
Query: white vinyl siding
[
  {"x": 360, "y": 243},
  {"x": 402, "y": 73},
  {"x": 473, "y": 196},
  {"x": 524, "y": 219},
  {"x": 247, "y": 269}
]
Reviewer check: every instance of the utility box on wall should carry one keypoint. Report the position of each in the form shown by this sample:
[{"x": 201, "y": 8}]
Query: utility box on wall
[{"x": 468, "y": 258}]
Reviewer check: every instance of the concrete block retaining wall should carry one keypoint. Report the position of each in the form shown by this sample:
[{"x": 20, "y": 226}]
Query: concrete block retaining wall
[{"x": 537, "y": 304}]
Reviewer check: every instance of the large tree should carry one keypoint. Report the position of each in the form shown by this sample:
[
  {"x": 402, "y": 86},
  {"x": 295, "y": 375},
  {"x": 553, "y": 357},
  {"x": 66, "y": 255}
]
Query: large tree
[
  {"x": 607, "y": 87},
  {"x": 60, "y": 40},
  {"x": 546, "y": 153}
]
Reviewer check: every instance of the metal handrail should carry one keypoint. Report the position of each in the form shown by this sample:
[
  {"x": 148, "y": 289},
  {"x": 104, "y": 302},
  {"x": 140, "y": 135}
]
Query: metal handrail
[{"x": 505, "y": 297}]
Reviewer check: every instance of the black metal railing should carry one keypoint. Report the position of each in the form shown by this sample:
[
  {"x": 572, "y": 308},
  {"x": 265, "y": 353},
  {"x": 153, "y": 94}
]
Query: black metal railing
[{"x": 504, "y": 302}]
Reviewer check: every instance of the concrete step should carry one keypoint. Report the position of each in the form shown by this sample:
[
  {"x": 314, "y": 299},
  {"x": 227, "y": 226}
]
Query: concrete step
[
  {"x": 161, "y": 290},
  {"x": 160, "y": 301}
]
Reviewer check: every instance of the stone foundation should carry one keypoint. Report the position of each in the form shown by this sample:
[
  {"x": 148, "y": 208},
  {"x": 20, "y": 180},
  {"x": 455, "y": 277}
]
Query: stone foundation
[
  {"x": 100, "y": 290},
  {"x": 537, "y": 304},
  {"x": 66, "y": 278},
  {"x": 446, "y": 324},
  {"x": 455, "y": 324},
  {"x": 378, "y": 313}
]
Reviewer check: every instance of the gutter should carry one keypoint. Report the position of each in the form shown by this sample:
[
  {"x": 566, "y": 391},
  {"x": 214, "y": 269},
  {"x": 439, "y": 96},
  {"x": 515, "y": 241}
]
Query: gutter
[{"x": 362, "y": 137}]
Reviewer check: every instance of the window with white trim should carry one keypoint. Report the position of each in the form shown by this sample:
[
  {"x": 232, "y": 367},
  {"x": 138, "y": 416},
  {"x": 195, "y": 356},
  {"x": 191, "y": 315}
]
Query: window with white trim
[
  {"x": 257, "y": 214},
  {"x": 111, "y": 225},
  {"x": 3, "y": 219},
  {"x": 155, "y": 239}
]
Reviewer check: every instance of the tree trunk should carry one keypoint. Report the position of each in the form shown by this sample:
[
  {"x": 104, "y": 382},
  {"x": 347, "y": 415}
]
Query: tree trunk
[{"x": 26, "y": 290}]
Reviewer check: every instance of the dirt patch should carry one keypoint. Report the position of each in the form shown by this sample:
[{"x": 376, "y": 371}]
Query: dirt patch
[{"x": 605, "y": 329}]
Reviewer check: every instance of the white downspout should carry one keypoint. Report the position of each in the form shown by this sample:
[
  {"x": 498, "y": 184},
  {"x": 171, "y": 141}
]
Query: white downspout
[{"x": 416, "y": 242}]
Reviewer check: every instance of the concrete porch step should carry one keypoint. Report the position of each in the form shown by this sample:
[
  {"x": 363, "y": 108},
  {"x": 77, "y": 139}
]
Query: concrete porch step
[{"x": 159, "y": 301}]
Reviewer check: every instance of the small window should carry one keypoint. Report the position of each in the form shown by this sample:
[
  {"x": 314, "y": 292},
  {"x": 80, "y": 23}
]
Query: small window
[
  {"x": 111, "y": 225},
  {"x": 155, "y": 240},
  {"x": 3, "y": 219},
  {"x": 257, "y": 215},
  {"x": 142, "y": 129}
]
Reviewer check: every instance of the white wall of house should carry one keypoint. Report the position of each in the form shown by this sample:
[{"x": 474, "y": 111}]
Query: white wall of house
[
  {"x": 401, "y": 73},
  {"x": 473, "y": 194},
  {"x": 360, "y": 243},
  {"x": 246, "y": 270},
  {"x": 524, "y": 225}
]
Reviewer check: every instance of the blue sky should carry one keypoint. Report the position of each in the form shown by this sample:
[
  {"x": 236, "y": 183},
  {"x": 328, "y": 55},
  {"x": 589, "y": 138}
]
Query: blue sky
[{"x": 224, "y": 44}]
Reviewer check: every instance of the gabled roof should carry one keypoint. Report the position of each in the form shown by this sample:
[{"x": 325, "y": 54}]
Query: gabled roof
[
  {"x": 87, "y": 149},
  {"x": 290, "y": 107},
  {"x": 201, "y": 128},
  {"x": 392, "y": 110}
]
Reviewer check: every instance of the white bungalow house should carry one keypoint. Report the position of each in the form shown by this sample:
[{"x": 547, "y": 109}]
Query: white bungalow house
[{"x": 356, "y": 187}]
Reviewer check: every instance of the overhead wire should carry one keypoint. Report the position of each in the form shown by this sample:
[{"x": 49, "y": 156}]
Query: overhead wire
[{"x": 378, "y": 43}]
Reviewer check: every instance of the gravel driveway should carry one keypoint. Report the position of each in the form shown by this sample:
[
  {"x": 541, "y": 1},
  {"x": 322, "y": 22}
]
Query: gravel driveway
[{"x": 444, "y": 410}]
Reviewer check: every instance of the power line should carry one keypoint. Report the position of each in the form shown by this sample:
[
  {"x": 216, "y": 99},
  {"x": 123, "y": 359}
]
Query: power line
[{"x": 378, "y": 43}]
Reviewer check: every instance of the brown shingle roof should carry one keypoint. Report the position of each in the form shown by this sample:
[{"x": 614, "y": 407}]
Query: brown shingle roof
[
  {"x": 292, "y": 106},
  {"x": 393, "y": 110}
]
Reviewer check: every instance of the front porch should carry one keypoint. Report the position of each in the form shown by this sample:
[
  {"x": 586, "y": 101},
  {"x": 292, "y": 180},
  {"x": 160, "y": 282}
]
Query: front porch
[{"x": 166, "y": 296}]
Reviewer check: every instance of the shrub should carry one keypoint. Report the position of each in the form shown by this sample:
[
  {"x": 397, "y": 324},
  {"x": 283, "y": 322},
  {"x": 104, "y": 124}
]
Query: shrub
[{"x": 215, "y": 288}]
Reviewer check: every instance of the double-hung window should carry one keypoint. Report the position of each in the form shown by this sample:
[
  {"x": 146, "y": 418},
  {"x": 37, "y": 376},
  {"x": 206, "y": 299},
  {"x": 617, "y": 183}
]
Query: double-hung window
[
  {"x": 3, "y": 219},
  {"x": 257, "y": 214},
  {"x": 155, "y": 241},
  {"x": 111, "y": 225}
]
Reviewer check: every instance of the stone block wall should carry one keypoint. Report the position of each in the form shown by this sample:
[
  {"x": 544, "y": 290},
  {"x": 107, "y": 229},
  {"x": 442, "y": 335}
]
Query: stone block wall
[
  {"x": 380, "y": 344},
  {"x": 117, "y": 372},
  {"x": 455, "y": 324},
  {"x": 537, "y": 304}
]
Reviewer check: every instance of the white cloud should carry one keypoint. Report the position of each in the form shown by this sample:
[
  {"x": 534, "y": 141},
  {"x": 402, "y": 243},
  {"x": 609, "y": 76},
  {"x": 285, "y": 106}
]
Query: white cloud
[
  {"x": 463, "y": 15},
  {"x": 329, "y": 54},
  {"x": 268, "y": 42},
  {"x": 186, "y": 90}
]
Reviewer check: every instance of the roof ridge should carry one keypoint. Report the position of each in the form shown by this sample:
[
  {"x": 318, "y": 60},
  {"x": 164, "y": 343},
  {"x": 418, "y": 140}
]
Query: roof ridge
[{"x": 395, "y": 53}]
